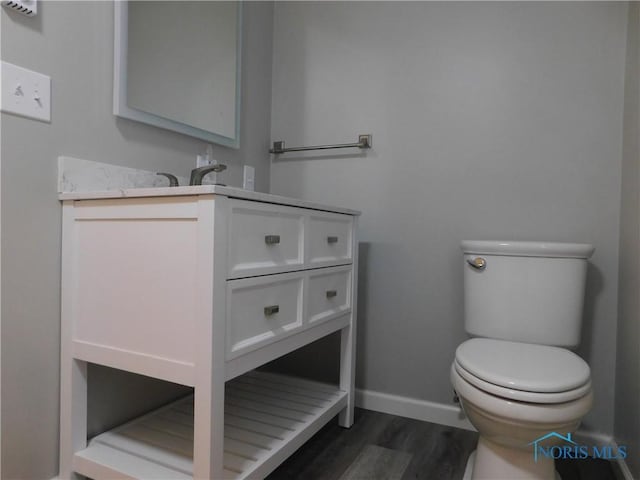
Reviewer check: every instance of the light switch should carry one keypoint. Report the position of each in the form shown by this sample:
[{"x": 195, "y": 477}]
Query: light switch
[{"x": 25, "y": 92}]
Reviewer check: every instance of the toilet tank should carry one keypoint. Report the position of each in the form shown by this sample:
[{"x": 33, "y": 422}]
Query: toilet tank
[{"x": 530, "y": 292}]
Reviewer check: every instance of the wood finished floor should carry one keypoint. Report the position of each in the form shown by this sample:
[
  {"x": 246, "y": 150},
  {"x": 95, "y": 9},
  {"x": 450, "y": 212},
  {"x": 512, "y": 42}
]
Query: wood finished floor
[
  {"x": 437, "y": 452},
  {"x": 425, "y": 451}
]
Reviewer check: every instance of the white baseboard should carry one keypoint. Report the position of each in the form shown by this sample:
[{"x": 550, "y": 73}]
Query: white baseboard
[
  {"x": 589, "y": 437},
  {"x": 424, "y": 410},
  {"x": 452, "y": 416},
  {"x": 622, "y": 465}
]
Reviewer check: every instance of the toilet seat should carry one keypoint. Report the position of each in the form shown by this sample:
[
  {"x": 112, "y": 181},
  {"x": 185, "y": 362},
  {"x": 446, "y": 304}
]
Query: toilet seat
[
  {"x": 510, "y": 412},
  {"x": 522, "y": 396},
  {"x": 523, "y": 372}
]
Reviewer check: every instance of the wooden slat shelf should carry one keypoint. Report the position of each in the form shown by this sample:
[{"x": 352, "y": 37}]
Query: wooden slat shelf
[{"x": 267, "y": 417}]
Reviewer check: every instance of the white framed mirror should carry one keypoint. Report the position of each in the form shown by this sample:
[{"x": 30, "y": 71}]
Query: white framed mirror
[{"x": 177, "y": 66}]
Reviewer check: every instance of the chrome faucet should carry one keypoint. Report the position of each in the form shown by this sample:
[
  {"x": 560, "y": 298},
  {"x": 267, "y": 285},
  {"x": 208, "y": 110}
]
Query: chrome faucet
[{"x": 197, "y": 174}]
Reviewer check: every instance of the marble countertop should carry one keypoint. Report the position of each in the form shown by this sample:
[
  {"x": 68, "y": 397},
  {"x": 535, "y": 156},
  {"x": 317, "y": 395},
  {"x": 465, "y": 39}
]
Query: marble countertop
[
  {"x": 231, "y": 192},
  {"x": 80, "y": 179}
]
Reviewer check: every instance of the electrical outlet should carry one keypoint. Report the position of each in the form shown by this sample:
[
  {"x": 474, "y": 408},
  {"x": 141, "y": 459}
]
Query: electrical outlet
[
  {"x": 25, "y": 92},
  {"x": 202, "y": 161},
  {"x": 206, "y": 158},
  {"x": 248, "y": 178}
]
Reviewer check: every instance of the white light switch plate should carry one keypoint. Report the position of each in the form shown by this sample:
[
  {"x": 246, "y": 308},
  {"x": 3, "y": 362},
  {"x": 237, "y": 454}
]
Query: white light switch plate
[{"x": 25, "y": 93}]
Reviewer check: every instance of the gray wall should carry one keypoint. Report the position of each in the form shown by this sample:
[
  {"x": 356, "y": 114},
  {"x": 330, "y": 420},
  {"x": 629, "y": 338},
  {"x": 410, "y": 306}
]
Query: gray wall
[
  {"x": 627, "y": 406},
  {"x": 72, "y": 42},
  {"x": 489, "y": 121}
]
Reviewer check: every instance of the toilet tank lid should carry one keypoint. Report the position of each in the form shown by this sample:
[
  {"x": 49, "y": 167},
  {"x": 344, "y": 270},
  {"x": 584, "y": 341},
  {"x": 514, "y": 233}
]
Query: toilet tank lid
[
  {"x": 523, "y": 366},
  {"x": 528, "y": 249}
]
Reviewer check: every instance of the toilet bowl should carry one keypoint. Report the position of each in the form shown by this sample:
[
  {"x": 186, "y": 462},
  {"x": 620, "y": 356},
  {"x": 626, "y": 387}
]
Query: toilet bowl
[{"x": 515, "y": 393}]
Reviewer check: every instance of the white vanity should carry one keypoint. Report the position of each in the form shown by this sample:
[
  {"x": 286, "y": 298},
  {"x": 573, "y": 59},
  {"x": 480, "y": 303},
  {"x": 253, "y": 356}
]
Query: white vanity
[{"x": 200, "y": 286}]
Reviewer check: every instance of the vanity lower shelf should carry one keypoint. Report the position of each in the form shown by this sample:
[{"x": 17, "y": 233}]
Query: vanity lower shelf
[{"x": 267, "y": 417}]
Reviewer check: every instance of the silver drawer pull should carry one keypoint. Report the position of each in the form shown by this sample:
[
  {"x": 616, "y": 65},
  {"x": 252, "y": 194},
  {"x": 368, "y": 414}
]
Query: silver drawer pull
[
  {"x": 331, "y": 293},
  {"x": 478, "y": 263},
  {"x": 272, "y": 239},
  {"x": 332, "y": 239},
  {"x": 271, "y": 309}
]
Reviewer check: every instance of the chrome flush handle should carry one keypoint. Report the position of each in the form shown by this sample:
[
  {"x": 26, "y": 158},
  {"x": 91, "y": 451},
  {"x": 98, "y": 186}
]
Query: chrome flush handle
[{"x": 478, "y": 263}]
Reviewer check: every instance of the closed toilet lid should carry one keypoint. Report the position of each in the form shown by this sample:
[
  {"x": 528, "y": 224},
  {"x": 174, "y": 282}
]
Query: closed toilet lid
[{"x": 523, "y": 366}]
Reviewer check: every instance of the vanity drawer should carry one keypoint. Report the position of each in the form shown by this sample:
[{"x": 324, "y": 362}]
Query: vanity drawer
[
  {"x": 329, "y": 293},
  {"x": 330, "y": 237},
  {"x": 261, "y": 309},
  {"x": 264, "y": 239}
]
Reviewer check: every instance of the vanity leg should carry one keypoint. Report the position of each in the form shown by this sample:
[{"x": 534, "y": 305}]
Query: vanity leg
[
  {"x": 347, "y": 374},
  {"x": 208, "y": 433},
  {"x": 73, "y": 372},
  {"x": 348, "y": 341},
  {"x": 73, "y": 414},
  {"x": 208, "y": 438}
]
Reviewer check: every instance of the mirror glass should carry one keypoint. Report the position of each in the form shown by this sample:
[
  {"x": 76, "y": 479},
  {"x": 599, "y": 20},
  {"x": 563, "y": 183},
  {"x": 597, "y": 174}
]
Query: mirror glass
[{"x": 178, "y": 66}]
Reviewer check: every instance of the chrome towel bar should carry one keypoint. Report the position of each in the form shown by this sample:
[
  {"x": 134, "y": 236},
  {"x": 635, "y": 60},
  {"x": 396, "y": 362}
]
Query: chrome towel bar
[{"x": 364, "y": 141}]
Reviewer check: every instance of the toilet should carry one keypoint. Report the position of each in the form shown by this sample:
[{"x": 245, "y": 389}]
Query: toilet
[{"x": 516, "y": 378}]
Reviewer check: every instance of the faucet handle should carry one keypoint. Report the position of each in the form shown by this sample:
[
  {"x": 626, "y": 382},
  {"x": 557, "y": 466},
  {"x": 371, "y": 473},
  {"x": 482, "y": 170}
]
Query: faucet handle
[{"x": 173, "y": 180}]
